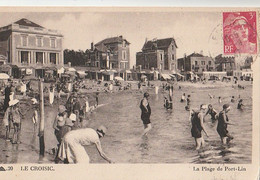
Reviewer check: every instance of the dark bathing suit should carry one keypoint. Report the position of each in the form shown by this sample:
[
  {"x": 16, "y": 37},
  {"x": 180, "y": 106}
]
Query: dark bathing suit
[
  {"x": 145, "y": 116},
  {"x": 196, "y": 126},
  {"x": 222, "y": 126}
]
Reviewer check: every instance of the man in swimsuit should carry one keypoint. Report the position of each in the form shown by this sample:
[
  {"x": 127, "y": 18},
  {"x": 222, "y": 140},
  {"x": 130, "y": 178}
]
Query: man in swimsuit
[
  {"x": 222, "y": 124},
  {"x": 198, "y": 126},
  {"x": 146, "y": 113}
]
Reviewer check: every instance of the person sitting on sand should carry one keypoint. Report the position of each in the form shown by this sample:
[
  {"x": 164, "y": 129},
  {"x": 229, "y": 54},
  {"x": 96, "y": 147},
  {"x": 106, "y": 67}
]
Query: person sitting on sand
[
  {"x": 240, "y": 104},
  {"x": 197, "y": 119},
  {"x": 73, "y": 145},
  {"x": 223, "y": 121}
]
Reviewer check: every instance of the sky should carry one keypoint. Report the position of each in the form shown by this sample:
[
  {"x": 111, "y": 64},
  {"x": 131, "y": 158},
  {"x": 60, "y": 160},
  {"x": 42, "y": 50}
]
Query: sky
[{"x": 193, "y": 31}]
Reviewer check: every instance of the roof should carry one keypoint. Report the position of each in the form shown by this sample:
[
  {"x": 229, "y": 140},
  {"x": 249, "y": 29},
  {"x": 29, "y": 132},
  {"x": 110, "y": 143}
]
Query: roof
[
  {"x": 222, "y": 59},
  {"x": 101, "y": 44},
  {"x": 26, "y": 22},
  {"x": 195, "y": 55},
  {"x": 159, "y": 43}
]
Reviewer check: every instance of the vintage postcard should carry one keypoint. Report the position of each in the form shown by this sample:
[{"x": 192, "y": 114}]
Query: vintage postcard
[{"x": 129, "y": 93}]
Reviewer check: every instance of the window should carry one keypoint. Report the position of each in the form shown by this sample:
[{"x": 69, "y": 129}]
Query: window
[
  {"x": 172, "y": 56},
  {"x": 124, "y": 55},
  {"x": 53, "y": 58},
  {"x": 202, "y": 62},
  {"x": 39, "y": 42},
  {"x": 193, "y": 67},
  {"x": 196, "y": 63},
  {"x": 172, "y": 47},
  {"x": 161, "y": 57},
  {"x": 24, "y": 57},
  {"x": 39, "y": 57},
  {"x": 24, "y": 40},
  {"x": 53, "y": 43},
  {"x": 209, "y": 62}
]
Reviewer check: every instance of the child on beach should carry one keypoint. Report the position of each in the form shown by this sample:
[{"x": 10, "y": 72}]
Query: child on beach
[{"x": 183, "y": 98}]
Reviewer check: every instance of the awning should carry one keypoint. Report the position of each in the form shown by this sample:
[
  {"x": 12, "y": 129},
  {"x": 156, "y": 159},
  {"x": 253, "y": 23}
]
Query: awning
[
  {"x": 127, "y": 71},
  {"x": 4, "y": 76},
  {"x": 166, "y": 76},
  {"x": 108, "y": 72},
  {"x": 81, "y": 73},
  {"x": 179, "y": 74},
  {"x": 71, "y": 69},
  {"x": 118, "y": 78}
]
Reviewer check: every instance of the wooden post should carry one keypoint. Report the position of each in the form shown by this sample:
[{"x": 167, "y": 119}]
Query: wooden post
[{"x": 41, "y": 127}]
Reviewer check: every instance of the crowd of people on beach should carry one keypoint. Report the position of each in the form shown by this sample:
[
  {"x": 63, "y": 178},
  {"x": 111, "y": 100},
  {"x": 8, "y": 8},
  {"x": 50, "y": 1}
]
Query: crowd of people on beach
[{"x": 70, "y": 124}]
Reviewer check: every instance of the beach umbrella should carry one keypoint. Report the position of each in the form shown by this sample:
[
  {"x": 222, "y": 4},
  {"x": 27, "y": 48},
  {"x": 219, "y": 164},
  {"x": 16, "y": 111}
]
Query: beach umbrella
[{"x": 4, "y": 76}]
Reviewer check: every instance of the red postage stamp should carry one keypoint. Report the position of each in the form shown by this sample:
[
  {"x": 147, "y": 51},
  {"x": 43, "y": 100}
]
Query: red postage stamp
[{"x": 240, "y": 32}]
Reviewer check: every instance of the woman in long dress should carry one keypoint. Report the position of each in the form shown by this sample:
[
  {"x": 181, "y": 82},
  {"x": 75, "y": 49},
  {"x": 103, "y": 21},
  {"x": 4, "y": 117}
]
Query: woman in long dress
[{"x": 51, "y": 95}]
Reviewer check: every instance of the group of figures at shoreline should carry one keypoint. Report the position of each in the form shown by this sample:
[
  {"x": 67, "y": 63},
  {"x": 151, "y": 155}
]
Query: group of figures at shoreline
[{"x": 72, "y": 135}]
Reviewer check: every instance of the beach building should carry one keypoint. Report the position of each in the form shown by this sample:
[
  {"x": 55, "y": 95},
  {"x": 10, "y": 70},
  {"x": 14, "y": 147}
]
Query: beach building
[
  {"x": 159, "y": 54},
  {"x": 31, "y": 47},
  {"x": 109, "y": 57},
  {"x": 193, "y": 65},
  {"x": 225, "y": 64}
]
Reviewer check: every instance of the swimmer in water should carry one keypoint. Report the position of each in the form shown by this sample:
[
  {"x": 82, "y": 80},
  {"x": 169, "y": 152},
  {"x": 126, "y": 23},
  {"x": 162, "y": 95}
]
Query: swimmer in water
[
  {"x": 211, "y": 111},
  {"x": 197, "y": 119},
  {"x": 146, "y": 113},
  {"x": 240, "y": 104},
  {"x": 223, "y": 121}
]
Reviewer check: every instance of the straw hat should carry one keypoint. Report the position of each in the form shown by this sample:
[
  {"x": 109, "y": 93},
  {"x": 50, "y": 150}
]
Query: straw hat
[
  {"x": 73, "y": 117},
  {"x": 61, "y": 121},
  {"x": 13, "y": 102}
]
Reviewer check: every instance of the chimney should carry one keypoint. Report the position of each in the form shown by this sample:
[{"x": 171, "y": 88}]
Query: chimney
[
  {"x": 92, "y": 46},
  {"x": 121, "y": 36}
]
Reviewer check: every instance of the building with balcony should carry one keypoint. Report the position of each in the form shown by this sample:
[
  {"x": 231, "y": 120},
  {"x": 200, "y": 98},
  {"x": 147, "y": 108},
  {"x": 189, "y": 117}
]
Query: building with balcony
[
  {"x": 225, "y": 64},
  {"x": 158, "y": 54},
  {"x": 111, "y": 53},
  {"x": 30, "y": 46},
  {"x": 195, "y": 63}
]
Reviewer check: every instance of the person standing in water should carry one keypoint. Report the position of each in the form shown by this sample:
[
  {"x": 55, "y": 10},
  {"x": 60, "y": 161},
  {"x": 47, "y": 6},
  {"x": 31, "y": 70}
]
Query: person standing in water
[
  {"x": 187, "y": 107},
  {"x": 240, "y": 104},
  {"x": 223, "y": 121},
  {"x": 197, "y": 119},
  {"x": 146, "y": 113},
  {"x": 211, "y": 111}
]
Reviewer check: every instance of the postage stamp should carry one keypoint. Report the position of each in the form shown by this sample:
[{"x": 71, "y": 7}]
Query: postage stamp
[{"x": 240, "y": 32}]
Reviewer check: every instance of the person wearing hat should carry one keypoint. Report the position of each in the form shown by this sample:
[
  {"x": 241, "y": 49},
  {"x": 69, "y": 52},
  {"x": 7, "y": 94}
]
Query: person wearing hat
[
  {"x": 72, "y": 149},
  {"x": 223, "y": 121},
  {"x": 13, "y": 117},
  {"x": 146, "y": 113},
  {"x": 197, "y": 119},
  {"x": 69, "y": 124},
  {"x": 211, "y": 111}
]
